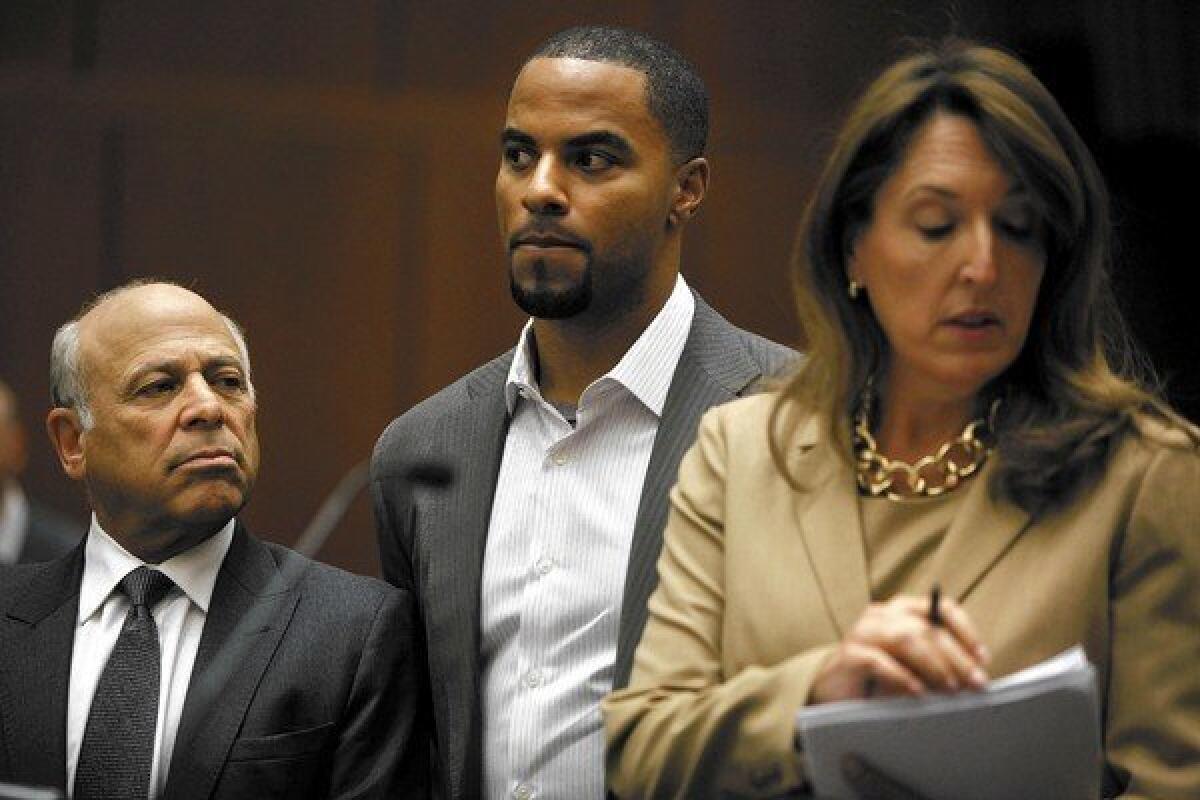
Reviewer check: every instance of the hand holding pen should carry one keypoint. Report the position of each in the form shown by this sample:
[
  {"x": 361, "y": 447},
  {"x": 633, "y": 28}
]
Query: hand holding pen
[{"x": 908, "y": 645}]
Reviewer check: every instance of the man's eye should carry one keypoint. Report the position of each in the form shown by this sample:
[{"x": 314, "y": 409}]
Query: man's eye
[
  {"x": 517, "y": 157},
  {"x": 231, "y": 382},
  {"x": 594, "y": 160},
  {"x": 157, "y": 388}
]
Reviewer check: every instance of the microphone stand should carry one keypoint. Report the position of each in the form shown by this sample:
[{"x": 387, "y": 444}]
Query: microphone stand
[{"x": 333, "y": 510}]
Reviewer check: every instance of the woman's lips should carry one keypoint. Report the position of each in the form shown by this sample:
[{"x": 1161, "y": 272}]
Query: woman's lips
[{"x": 974, "y": 320}]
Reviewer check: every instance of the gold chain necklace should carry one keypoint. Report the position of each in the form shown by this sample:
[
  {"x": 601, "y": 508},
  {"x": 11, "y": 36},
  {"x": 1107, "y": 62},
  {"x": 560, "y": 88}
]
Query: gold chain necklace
[{"x": 931, "y": 476}]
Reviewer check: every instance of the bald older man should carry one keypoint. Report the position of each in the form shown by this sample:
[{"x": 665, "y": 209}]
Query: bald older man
[{"x": 172, "y": 654}]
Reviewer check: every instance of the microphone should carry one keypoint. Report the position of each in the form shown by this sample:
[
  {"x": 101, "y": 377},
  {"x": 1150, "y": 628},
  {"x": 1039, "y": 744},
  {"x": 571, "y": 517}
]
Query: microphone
[{"x": 426, "y": 474}]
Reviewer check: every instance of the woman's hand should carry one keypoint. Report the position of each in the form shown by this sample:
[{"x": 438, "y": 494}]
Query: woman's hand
[{"x": 894, "y": 649}]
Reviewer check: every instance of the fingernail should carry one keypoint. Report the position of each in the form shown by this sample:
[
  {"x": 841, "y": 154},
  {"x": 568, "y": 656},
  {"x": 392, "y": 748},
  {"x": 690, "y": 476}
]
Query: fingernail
[
  {"x": 985, "y": 655},
  {"x": 979, "y": 677}
]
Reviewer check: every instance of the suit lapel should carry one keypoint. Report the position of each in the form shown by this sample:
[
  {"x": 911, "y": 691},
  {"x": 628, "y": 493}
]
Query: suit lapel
[
  {"x": 37, "y": 666},
  {"x": 713, "y": 369},
  {"x": 970, "y": 548},
  {"x": 252, "y": 604},
  {"x": 831, "y": 529},
  {"x": 459, "y": 516}
]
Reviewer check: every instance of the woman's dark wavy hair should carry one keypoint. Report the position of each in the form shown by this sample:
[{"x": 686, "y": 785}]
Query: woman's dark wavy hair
[{"x": 1073, "y": 391}]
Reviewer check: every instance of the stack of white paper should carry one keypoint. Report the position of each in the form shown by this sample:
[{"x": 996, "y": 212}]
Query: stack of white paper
[{"x": 1034, "y": 734}]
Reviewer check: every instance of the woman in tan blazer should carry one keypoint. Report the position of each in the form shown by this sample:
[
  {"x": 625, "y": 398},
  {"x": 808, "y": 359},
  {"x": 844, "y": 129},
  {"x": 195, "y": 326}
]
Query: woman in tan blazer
[{"x": 971, "y": 416}]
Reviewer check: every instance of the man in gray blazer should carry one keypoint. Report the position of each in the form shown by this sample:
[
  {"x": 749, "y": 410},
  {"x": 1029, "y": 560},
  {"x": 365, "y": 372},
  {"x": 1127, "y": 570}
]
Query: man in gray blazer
[
  {"x": 532, "y": 567},
  {"x": 172, "y": 654},
  {"x": 29, "y": 531}
]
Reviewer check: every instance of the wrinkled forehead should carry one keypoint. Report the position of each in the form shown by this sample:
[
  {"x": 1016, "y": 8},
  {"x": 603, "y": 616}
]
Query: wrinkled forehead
[{"x": 139, "y": 328}]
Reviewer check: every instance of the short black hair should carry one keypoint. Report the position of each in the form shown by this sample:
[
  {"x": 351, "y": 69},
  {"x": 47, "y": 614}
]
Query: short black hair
[{"x": 675, "y": 94}]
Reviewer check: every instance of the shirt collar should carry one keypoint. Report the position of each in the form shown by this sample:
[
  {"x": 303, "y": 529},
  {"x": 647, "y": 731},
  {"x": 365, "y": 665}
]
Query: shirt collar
[
  {"x": 520, "y": 372},
  {"x": 645, "y": 370},
  {"x": 105, "y": 562}
]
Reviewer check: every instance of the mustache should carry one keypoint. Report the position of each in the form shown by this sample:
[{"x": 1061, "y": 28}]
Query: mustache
[{"x": 542, "y": 234}]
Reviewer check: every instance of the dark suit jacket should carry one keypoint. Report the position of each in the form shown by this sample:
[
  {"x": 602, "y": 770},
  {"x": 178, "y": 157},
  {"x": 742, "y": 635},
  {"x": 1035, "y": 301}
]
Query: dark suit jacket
[
  {"x": 302, "y": 687},
  {"x": 48, "y": 535},
  {"x": 432, "y": 542}
]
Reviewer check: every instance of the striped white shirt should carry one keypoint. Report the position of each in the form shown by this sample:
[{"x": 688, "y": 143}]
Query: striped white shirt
[{"x": 554, "y": 565}]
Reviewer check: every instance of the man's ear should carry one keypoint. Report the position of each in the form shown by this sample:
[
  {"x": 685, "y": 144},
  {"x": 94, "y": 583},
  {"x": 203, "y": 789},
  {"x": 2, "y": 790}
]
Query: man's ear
[
  {"x": 66, "y": 436},
  {"x": 691, "y": 184}
]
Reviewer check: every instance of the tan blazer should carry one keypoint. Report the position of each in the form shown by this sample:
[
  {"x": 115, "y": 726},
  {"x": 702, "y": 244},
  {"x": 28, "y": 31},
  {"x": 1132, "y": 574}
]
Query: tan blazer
[{"x": 758, "y": 581}]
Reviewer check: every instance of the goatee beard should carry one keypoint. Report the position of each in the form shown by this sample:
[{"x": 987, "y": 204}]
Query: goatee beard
[{"x": 545, "y": 303}]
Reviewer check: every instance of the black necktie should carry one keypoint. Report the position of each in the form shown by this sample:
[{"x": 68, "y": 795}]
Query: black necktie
[{"x": 118, "y": 741}]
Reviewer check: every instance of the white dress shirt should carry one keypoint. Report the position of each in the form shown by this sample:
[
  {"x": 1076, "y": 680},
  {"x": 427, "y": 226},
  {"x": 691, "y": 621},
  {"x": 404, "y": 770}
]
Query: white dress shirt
[
  {"x": 14, "y": 519},
  {"x": 555, "y": 560},
  {"x": 180, "y": 619}
]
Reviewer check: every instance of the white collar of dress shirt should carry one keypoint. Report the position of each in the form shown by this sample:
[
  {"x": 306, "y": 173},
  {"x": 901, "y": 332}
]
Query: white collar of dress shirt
[
  {"x": 14, "y": 512},
  {"x": 105, "y": 563},
  {"x": 646, "y": 368}
]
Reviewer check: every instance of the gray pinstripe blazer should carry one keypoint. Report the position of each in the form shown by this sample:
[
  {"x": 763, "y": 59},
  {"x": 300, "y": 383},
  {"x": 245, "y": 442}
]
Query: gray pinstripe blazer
[{"x": 432, "y": 541}]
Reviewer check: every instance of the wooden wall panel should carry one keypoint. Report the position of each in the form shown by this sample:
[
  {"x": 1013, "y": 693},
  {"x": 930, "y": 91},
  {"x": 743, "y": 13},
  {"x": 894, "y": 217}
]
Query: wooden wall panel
[
  {"x": 312, "y": 249},
  {"x": 457, "y": 45},
  {"x": 309, "y": 41},
  {"x": 324, "y": 171},
  {"x": 737, "y": 252},
  {"x": 50, "y": 245}
]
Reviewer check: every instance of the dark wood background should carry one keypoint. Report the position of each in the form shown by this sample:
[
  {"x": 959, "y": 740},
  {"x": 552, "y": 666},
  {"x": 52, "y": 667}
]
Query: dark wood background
[{"x": 323, "y": 172}]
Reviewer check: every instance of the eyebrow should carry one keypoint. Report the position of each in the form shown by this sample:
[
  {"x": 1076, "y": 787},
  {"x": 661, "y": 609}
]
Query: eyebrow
[
  {"x": 170, "y": 365},
  {"x": 604, "y": 138},
  {"x": 514, "y": 136}
]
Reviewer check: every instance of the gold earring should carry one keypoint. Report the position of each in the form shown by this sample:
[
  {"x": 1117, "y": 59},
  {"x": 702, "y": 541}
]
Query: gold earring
[{"x": 853, "y": 289}]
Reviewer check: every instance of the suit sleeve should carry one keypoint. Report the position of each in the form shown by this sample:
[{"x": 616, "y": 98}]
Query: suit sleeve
[
  {"x": 392, "y": 511},
  {"x": 382, "y": 749},
  {"x": 394, "y": 526},
  {"x": 1152, "y": 728},
  {"x": 683, "y": 728}
]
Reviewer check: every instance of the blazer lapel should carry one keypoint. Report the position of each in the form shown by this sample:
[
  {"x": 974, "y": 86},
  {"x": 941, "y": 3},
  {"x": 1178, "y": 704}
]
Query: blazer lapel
[
  {"x": 460, "y": 515},
  {"x": 981, "y": 533},
  {"x": 38, "y": 669},
  {"x": 713, "y": 369},
  {"x": 252, "y": 604},
  {"x": 831, "y": 528}
]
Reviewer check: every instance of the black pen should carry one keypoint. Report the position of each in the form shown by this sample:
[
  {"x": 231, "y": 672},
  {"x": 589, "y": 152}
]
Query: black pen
[{"x": 935, "y": 600}]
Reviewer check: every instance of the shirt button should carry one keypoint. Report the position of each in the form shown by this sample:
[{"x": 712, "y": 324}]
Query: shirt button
[
  {"x": 544, "y": 565},
  {"x": 559, "y": 459},
  {"x": 523, "y": 791},
  {"x": 535, "y": 678}
]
